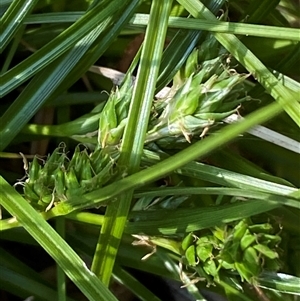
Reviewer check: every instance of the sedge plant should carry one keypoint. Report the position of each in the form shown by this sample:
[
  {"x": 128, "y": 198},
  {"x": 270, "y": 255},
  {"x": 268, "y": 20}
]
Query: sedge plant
[{"x": 146, "y": 174}]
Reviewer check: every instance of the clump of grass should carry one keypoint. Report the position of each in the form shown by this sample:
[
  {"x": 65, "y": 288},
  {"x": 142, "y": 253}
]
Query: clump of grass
[{"x": 207, "y": 203}]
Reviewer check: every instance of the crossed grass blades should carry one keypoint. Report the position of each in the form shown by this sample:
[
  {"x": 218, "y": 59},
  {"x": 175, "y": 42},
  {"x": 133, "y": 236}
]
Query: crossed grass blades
[{"x": 204, "y": 91}]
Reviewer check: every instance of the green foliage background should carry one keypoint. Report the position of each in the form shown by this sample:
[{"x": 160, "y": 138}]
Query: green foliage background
[{"x": 50, "y": 97}]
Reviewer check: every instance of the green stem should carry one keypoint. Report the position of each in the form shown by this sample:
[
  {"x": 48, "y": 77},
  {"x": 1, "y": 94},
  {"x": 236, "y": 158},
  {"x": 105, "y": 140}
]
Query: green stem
[
  {"x": 134, "y": 137},
  {"x": 231, "y": 291},
  {"x": 61, "y": 277},
  {"x": 53, "y": 244}
]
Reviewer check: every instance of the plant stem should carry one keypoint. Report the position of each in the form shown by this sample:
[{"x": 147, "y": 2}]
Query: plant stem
[
  {"x": 61, "y": 278},
  {"x": 134, "y": 136}
]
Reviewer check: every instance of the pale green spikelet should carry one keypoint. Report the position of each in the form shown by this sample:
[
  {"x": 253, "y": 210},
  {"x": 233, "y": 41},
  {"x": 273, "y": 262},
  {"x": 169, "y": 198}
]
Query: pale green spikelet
[
  {"x": 204, "y": 93},
  {"x": 60, "y": 178},
  {"x": 113, "y": 117}
]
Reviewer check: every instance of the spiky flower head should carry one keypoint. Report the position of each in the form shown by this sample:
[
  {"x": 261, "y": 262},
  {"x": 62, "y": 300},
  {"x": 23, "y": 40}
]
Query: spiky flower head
[
  {"x": 60, "y": 178},
  {"x": 113, "y": 117},
  {"x": 210, "y": 93},
  {"x": 243, "y": 248}
]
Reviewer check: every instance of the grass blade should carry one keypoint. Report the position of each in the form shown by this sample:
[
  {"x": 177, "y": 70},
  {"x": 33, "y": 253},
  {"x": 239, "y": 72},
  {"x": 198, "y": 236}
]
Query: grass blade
[
  {"x": 12, "y": 20},
  {"x": 265, "y": 31},
  {"x": 61, "y": 74},
  {"x": 280, "y": 282},
  {"x": 57, "y": 248},
  {"x": 165, "y": 167},
  {"x": 58, "y": 46},
  {"x": 134, "y": 136}
]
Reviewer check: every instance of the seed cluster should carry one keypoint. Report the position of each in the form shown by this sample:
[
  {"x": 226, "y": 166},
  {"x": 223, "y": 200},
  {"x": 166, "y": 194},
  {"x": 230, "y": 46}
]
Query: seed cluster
[
  {"x": 204, "y": 91},
  {"x": 60, "y": 178},
  {"x": 245, "y": 248}
]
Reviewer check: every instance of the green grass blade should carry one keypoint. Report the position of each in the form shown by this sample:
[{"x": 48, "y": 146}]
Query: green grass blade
[
  {"x": 134, "y": 136},
  {"x": 133, "y": 284},
  {"x": 61, "y": 17},
  {"x": 5, "y": 3},
  {"x": 18, "y": 278},
  {"x": 260, "y": 10},
  {"x": 274, "y": 32},
  {"x": 233, "y": 293},
  {"x": 14, "y": 264},
  {"x": 220, "y": 191},
  {"x": 280, "y": 282},
  {"x": 228, "y": 178},
  {"x": 23, "y": 286},
  {"x": 165, "y": 167},
  {"x": 88, "y": 23},
  {"x": 62, "y": 73},
  {"x": 57, "y": 248},
  {"x": 12, "y": 49},
  {"x": 169, "y": 222},
  {"x": 13, "y": 19},
  {"x": 60, "y": 274},
  {"x": 180, "y": 48}
]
